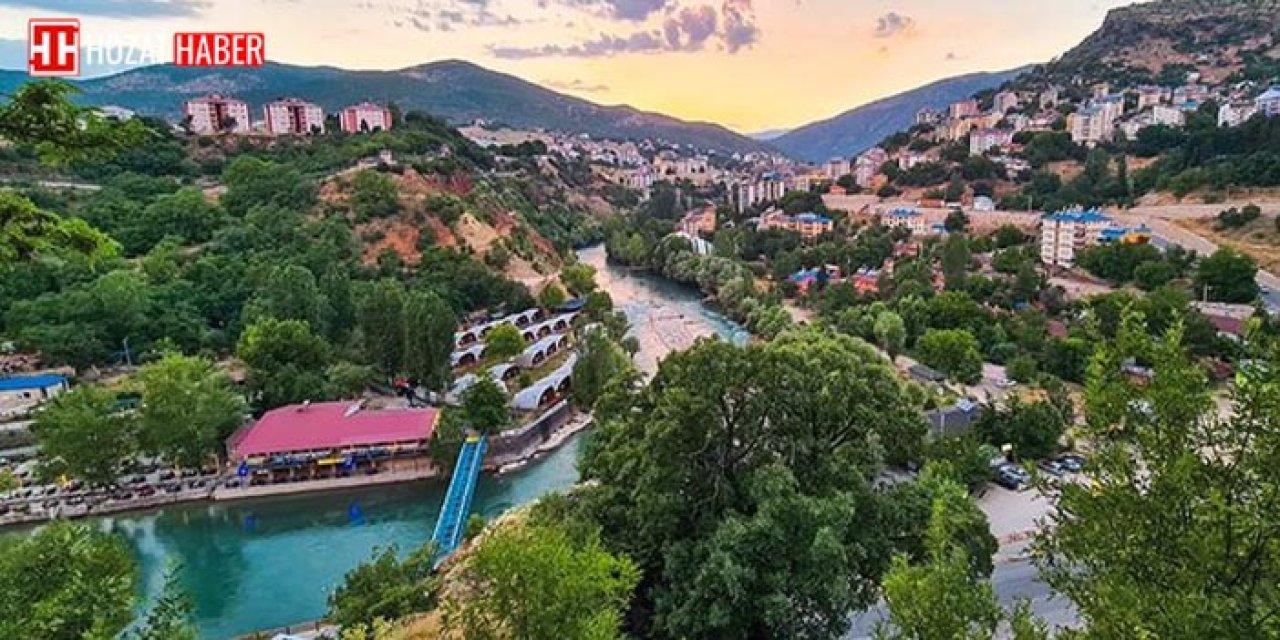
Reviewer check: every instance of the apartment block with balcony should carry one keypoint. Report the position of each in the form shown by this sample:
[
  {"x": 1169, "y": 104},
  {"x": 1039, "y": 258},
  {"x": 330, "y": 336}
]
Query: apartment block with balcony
[
  {"x": 216, "y": 113},
  {"x": 365, "y": 116},
  {"x": 1065, "y": 233},
  {"x": 293, "y": 116}
]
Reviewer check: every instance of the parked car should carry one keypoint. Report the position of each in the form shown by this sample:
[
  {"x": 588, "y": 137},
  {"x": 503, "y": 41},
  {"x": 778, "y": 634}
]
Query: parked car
[
  {"x": 1071, "y": 462},
  {"x": 232, "y": 483},
  {"x": 1051, "y": 467},
  {"x": 167, "y": 474},
  {"x": 122, "y": 495},
  {"x": 1008, "y": 478},
  {"x": 173, "y": 487},
  {"x": 75, "y": 500},
  {"x": 146, "y": 491}
]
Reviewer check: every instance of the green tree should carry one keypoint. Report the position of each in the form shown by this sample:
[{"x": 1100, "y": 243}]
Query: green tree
[
  {"x": 1174, "y": 536},
  {"x": 551, "y": 296},
  {"x": 429, "y": 324},
  {"x": 1152, "y": 275},
  {"x": 286, "y": 362},
  {"x": 1033, "y": 429},
  {"x": 66, "y": 582},
  {"x": 385, "y": 587},
  {"x": 750, "y": 466},
  {"x": 40, "y": 114},
  {"x": 1022, "y": 368},
  {"x": 579, "y": 278},
  {"x": 954, "y": 352},
  {"x": 955, "y": 260},
  {"x": 30, "y": 232},
  {"x": 82, "y": 434},
  {"x": 373, "y": 195},
  {"x": 189, "y": 408},
  {"x": 254, "y": 182},
  {"x": 1227, "y": 276},
  {"x": 600, "y": 362},
  {"x": 891, "y": 333},
  {"x": 484, "y": 405},
  {"x": 956, "y": 221},
  {"x": 380, "y": 317},
  {"x": 289, "y": 293},
  {"x": 534, "y": 581},
  {"x": 504, "y": 341},
  {"x": 170, "y": 616}
]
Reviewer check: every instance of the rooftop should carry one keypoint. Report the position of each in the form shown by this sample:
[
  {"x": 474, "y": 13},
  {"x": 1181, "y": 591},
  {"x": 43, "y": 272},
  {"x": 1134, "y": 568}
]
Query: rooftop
[
  {"x": 20, "y": 383},
  {"x": 330, "y": 425}
]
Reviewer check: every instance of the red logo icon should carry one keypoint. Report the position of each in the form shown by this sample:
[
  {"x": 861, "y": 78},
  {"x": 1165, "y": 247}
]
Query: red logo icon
[{"x": 53, "y": 47}]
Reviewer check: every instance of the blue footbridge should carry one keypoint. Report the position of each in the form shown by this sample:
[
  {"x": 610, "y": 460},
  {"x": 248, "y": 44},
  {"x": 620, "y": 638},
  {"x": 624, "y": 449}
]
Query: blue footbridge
[{"x": 457, "y": 502}]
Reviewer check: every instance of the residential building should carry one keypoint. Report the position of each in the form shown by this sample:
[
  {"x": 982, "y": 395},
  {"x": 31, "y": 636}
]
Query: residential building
[
  {"x": 1191, "y": 93},
  {"x": 1167, "y": 116},
  {"x": 769, "y": 187},
  {"x": 1090, "y": 125},
  {"x": 1065, "y": 233},
  {"x": 912, "y": 219},
  {"x": 293, "y": 116},
  {"x": 1150, "y": 96},
  {"x": 1004, "y": 101},
  {"x": 909, "y": 159},
  {"x": 699, "y": 221},
  {"x": 112, "y": 112},
  {"x": 1049, "y": 98},
  {"x": 1018, "y": 121},
  {"x": 836, "y": 167},
  {"x": 984, "y": 204},
  {"x": 983, "y": 140},
  {"x": 927, "y": 116},
  {"x": 964, "y": 109},
  {"x": 808, "y": 225},
  {"x": 1101, "y": 89},
  {"x": 868, "y": 165},
  {"x": 1269, "y": 102},
  {"x": 1234, "y": 114},
  {"x": 365, "y": 116},
  {"x": 957, "y": 129},
  {"x": 216, "y": 113},
  {"x": 1111, "y": 105}
]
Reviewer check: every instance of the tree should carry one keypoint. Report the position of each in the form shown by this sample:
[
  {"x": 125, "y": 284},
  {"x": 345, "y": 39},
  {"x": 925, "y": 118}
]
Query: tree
[
  {"x": 289, "y": 293},
  {"x": 579, "y": 278},
  {"x": 82, "y": 434},
  {"x": 1227, "y": 276},
  {"x": 1021, "y": 368},
  {"x": 750, "y": 466},
  {"x": 955, "y": 260},
  {"x": 551, "y": 296},
  {"x": 40, "y": 114},
  {"x": 1033, "y": 429},
  {"x": 385, "y": 587},
  {"x": 373, "y": 195},
  {"x": 954, "y": 352},
  {"x": 429, "y": 324},
  {"x": 380, "y": 317},
  {"x": 30, "y": 232},
  {"x": 891, "y": 333},
  {"x": 484, "y": 406},
  {"x": 254, "y": 182},
  {"x": 189, "y": 408},
  {"x": 600, "y": 362},
  {"x": 1174, "y": 536},
  {"x": 286, "y": 362},
  {"x": 956, "y": 221},
  {"x": 66, "y": 582},
  {"x": 504, "y": 341},
  {"x": 1152, "y": 275},
  {"x": 170, "y": 616},
  {"x": 535, "y": 581}
]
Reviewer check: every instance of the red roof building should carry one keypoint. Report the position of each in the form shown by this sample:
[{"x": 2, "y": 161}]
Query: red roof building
[{"x": 331, "y": 427}]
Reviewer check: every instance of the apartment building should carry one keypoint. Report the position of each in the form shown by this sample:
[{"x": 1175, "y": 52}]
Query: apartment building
[
  {"x": 1150, "y": 96},
  {"x": 911, "y": 219},
  {"x": 1004, "y": 101},
  {"x": 216, "y": 113},
  {"x": 837, "y": 167},
  {"x": 964, "y": 109},
  {"x": 927, "y": 116},
  {"x": 1090, "y": 125},
  {"x": 365, "y": 116},
  {"x": 1066, "y": 233},
  {"x": 699, "y": 221},
  {"x": 808, "y": 225},
  {"x": 1234, "y": 114},
  {"x": 1268, "y": 103},
  {"x": 983, "y": 140},
  {"x": 293, "y": 116}
]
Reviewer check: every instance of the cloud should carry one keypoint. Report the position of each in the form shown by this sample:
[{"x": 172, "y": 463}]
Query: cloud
[
  {"x": 689, "y": 29},
  {"x": 444, "y": 15},
  {"x": 629, "y": 10},
  {"x": 892, "y": 24},
  {"x": 120, "y": 8},
  {"x": 576, "y": 85}
]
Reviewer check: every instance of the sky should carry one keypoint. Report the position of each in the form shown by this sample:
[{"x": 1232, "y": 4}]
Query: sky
[{"x": 750, "y": 65}]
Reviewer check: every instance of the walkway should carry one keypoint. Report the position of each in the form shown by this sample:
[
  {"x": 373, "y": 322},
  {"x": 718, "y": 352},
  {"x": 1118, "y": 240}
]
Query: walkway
[{"x": 457, "y": 502}]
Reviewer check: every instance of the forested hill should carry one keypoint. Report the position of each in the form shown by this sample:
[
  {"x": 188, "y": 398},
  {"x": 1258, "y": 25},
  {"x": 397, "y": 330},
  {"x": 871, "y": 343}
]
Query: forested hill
[
  {"x": 856, "y": 130},
  {"x": 455, "y": 90}
]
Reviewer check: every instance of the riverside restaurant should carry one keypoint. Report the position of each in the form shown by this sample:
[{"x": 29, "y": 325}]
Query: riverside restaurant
[{"x": 318, "y": 440}]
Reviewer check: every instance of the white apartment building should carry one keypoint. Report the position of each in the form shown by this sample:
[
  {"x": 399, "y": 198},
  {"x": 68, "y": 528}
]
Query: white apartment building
[
  {"x": 964, "y": 109},
  {"x": 216, "y": 113},
  {"x": 293, "y": 116},
  {"x": 983, "y": 140},
  {"x": 1168, "y": 116},
  {"x": 769, "y": 188},
  {"x": 1150, "y": 96},
  {"x": 1004, "y": 101},
  {"x": 837, "y": 167},
  {"x": 911, "y": 219},
  {"x": 365, "y": 116},
  {"x": 1064, "y": 234},
  {"x": 1269, "y": 102},
  {"x": 1090, "y": 125},
  {"x": 1234, "y": 114}
]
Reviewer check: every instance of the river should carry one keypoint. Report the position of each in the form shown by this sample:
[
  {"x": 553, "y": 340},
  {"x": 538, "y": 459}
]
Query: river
[{"x": 263, "y": 564}]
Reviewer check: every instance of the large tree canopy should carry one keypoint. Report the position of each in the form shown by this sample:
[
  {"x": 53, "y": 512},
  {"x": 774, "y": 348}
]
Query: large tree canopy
[{"x": 738, "y": 481}]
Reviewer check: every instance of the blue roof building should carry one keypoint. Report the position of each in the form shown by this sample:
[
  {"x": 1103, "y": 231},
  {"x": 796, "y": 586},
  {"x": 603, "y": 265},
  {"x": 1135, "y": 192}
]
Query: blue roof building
[{"x": 33, "y": 383}]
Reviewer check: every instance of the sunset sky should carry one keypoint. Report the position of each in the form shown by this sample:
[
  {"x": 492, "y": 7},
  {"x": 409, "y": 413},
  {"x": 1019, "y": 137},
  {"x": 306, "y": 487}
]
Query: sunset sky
[{"x": 748, "y": 64}]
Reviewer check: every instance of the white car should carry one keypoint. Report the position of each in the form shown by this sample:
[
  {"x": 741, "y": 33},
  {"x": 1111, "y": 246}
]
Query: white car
[{"x": 1005, "y": 383}]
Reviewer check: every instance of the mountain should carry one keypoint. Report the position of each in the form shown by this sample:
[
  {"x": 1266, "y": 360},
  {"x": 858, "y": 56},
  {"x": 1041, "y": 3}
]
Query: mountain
[
  {"x": 859, "y": 129},
  {"x": 456, "y": 90}
]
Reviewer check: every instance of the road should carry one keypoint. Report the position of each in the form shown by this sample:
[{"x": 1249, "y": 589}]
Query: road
[{"x": 1166, "y": 232}]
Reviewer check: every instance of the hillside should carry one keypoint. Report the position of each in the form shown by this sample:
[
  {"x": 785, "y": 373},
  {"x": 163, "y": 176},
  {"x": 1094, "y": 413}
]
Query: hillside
[
  {"x": 456, "y": 90},
  {"x": 858, "y": 129}
]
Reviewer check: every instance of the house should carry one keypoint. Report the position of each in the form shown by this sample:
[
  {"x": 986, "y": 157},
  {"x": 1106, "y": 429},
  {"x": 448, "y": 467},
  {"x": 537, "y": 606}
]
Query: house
[
  {"x": 1151, "y": 95},
  {"x": 1234, "y": 114},
  {"x": 912, "y": 219},
  {"x": 837, "y": 167},
  {"x": 19, "y": 394},
  {"x": 808, "y": 225},
  {"x": 954, "y": 420},
  {"x": 699, "y": 221},
  {"x": 922, "y": 373},
  {"x": 805, "y": 278},
  {"x": 1268, "y": 103},
  {"x": 216, "y": 113},
  {"x": 867, "y": 281},
  {"x": 1004, "y": 101},
  {"x": 927, "y": 117},
  {"x": 1167, "y": 116},
  {"x": 364, "y": 117},
  {"x": 984, "y": 204},
  {"x": 983, "y": 140},
  {"x": 293, "y": 116},
  {"x": 964, "y": 109}
]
